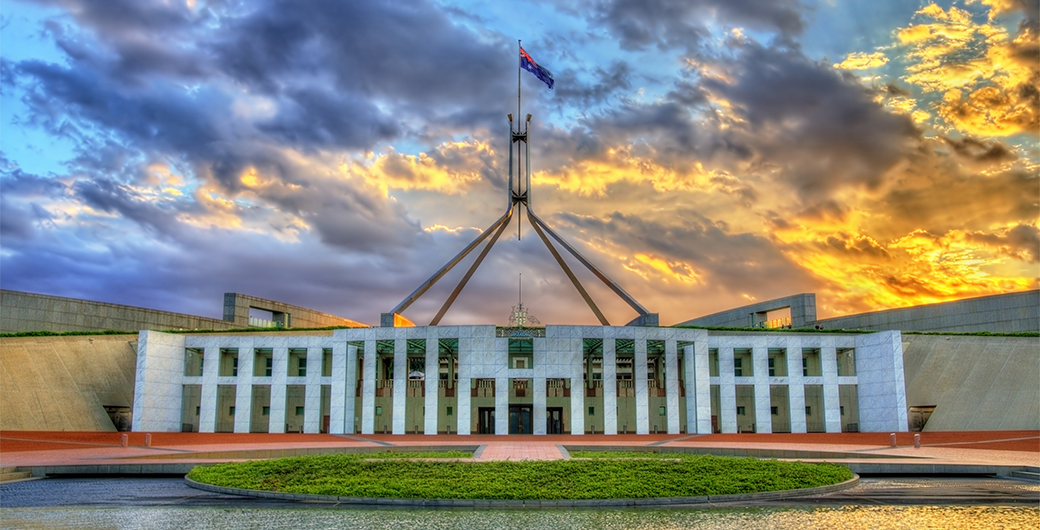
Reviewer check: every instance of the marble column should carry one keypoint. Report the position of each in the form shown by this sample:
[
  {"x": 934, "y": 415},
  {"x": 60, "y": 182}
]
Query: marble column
[
  {"x": 208, "y": 405},
  {"x": 829, "y": 365},
  {"x": 502, "y": 405},
  {"x": 431, "y": 382},
  {"x": 538, "y": 412},
  {"x": 727, "y": 391},
  {"x": 609, "y": 386},
  {"x": 796, "y": 385},
  {"x": 368, "y": 389},
  {"x": 671, "y": 386},
  {"x": 279, "y": 375},
  {"x": 244, "y": 388},
  {"x": 577, "y": 401},
  {"x": 463, "y": 392},
  {"x": 400, "y": 383},
  {"x": 312, "y": 394},
  {"x": 642, "y": 392},
  {"x": 340, "y": 390},
  {"x": 763, "y": 404}
]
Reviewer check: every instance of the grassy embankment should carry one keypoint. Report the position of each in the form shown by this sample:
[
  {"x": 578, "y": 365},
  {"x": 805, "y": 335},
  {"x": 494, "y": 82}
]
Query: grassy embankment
[{"x": 614, "y": 476}]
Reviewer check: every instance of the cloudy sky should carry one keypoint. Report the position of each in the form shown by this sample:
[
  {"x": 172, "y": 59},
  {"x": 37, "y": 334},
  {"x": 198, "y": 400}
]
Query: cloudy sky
[{"x": 704, "y": 153}]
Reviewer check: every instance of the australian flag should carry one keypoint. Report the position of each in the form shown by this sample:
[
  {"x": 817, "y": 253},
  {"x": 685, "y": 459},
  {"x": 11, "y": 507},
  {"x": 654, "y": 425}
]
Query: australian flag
[{"x": 527, "y": 63}]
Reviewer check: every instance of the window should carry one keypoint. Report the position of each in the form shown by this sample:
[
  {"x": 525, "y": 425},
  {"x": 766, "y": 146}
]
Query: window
[
  {"x": 775, "y": 411},
  {"x": 740, "y": 411},
  {"x": 592, "y": 411},
  {"x": 193, "y": 362},
  {"x": 231, "y": 411},
  {"x": 302, "y": 367},
  {"x": 450, "y": 411},
  {"x": 265, "y": 411},
  {"x": 268, "y": 366},
  {"x": 228, "y": 365},
  {"x": 842, "y": 409},
  {"x": 299, "y": 411},
  {"x": 772, "y": 368},
  {"x": 738, "y": 367},
  {"x": 805, "y": 370},
  {"x": 808, "y": 411},
  {"x": 198, "y": 410}
]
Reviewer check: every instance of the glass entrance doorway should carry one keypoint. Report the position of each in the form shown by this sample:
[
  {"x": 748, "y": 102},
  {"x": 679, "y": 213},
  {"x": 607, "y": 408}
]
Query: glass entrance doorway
[
  {"x": 520, "y": 419},
  {"x": 486, "y": 420},
  {"x": 554, "y": 420}
]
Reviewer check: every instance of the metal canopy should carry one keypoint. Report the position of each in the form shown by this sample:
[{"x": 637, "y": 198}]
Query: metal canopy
[{"x": 518, "y": 197}]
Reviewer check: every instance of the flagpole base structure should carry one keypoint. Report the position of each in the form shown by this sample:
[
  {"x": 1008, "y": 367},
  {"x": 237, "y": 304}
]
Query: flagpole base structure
[{"x": 519, "y": 196}]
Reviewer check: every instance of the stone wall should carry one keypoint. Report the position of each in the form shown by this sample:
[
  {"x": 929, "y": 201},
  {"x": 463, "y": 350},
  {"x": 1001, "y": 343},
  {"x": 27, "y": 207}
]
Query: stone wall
[
  {"x": 21, "y": 311},
  {"x": 975, "y": 383},
  {"x": 64, "y": 383},
  {"x": 236, "y": 309},
  {"x": 1002, "y": 313},
  {"x": 803, "y": 313}
]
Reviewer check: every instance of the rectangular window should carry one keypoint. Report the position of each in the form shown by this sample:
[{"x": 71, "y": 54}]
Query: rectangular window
[
  {"x": 198, "y": 410},
  {"x": 592, "y": 411},
  {"x": 299, "y": 411},
  {"x": 302, "y": 367},
  {"x": 234, "y": 367},
  {"x": 268, "y": 366},
  {"x": 738, "y": 367},
  {"x": 805, "y": 369},
  {"x": 775, "y": 411},
  {"x": 772, "y": 368},
  {"x": 265, "y": 411},
  {"x": 740, "y": 411},
  {"x": 193, "y": 362},
  {"x": 231, "y": 411},
  {"x": 842, "y": 409},
  {"x": 449, "y": 411},
  {"x": 808, "y": 411}
]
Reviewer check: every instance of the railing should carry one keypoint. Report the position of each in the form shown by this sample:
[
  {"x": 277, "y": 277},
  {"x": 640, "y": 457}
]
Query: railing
[{"x": 556, "y": 388}]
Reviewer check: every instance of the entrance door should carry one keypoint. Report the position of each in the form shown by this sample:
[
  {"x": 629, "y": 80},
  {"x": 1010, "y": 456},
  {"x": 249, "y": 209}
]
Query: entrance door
[
  {"x": 554, "y": 420},
  {"x": 486, "y": 420},
  {"x": 520, "y": 419}
]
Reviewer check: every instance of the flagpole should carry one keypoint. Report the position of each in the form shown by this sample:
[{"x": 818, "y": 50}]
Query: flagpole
[
  {"x": 518, "y": 115},
  {"x": 519, "y": 174}
]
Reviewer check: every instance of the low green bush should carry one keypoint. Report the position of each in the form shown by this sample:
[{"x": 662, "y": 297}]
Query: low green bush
[{"x": 606, "y": 478}]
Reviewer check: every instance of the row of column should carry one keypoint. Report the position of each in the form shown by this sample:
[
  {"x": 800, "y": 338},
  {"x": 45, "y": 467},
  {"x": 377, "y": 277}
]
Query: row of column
[
  {"x": 344, "y": 375},
  {"x": 278, "y": 381},
  {"x": 795, "y": 383}
]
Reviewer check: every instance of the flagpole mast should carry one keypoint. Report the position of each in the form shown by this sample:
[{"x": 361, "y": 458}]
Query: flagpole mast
[
  {"x": 518, "y": 81},
  {"x": 519, "y": 173}
]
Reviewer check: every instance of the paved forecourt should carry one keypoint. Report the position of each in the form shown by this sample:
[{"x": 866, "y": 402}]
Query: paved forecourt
[{"x": 104, "y": 453}]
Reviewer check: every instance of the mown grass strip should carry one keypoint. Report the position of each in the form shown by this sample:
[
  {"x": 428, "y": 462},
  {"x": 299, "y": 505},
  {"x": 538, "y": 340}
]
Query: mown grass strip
[{"x": 613, "y": 478}]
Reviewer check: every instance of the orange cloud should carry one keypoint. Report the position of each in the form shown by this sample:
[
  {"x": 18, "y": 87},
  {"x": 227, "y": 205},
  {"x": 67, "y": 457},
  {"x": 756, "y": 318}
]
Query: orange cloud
[
  {"x": 451, "y": 168},
  {"x": 862, "y": 61}
]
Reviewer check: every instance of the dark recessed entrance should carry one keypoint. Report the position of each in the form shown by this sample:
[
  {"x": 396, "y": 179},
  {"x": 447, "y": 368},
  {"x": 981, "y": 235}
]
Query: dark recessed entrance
[
  {"x": 554, "y": 420},
  {"x": 520, "y": 419},
  {"x": 486, "y": 420}
]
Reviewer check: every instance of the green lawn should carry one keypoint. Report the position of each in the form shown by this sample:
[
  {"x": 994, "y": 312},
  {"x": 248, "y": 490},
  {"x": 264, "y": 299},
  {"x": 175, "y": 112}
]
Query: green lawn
[{"x": 600, "y": 478}]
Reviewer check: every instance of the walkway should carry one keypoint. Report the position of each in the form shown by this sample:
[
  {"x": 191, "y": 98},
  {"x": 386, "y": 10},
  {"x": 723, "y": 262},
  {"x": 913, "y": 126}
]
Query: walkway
[{"x": 25, "y": 449}]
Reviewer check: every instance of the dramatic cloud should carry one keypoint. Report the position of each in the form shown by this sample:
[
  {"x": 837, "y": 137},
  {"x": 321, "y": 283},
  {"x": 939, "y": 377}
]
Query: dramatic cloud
[{"x": 335, "y": 154}]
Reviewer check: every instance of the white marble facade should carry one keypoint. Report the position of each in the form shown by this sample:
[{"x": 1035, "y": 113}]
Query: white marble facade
[{"x": 482, "y": 354}]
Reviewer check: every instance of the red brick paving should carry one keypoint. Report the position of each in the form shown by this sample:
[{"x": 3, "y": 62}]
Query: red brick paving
[{"x": 63, "y": 448}]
